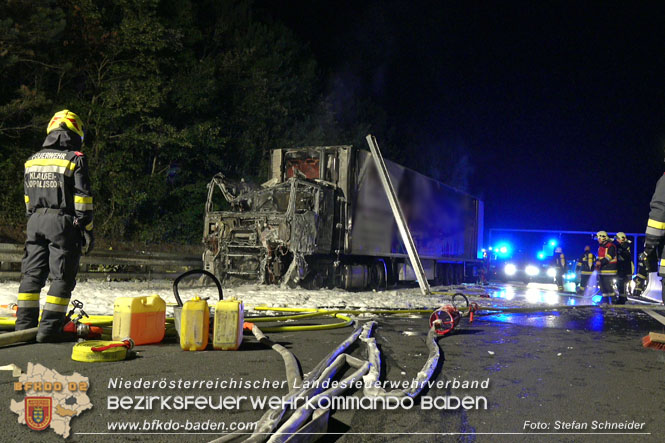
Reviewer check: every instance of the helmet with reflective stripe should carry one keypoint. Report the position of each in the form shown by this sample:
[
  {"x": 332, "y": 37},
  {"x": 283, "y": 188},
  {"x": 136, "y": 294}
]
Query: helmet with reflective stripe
[
  {"x": 602, "y": 235},
  {"x": 621, "y": 236},
  {"x": 65, "y": 119}
]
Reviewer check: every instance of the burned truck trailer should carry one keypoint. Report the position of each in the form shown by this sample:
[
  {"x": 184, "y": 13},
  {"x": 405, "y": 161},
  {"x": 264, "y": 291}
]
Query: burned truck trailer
[{"x": 324, "y": 220}]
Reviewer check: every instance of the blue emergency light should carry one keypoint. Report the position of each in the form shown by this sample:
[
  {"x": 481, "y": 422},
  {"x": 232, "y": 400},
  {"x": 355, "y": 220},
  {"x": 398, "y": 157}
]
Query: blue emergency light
[{"x": 502, "y": 249}]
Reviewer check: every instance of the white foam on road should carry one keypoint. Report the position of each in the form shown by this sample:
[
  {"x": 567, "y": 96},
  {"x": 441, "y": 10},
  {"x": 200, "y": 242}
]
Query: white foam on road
[{"x": 99, "y": 296}]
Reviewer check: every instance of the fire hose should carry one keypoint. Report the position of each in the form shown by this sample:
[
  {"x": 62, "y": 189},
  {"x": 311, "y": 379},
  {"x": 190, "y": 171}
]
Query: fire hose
[{"x": 304, "y": 421}]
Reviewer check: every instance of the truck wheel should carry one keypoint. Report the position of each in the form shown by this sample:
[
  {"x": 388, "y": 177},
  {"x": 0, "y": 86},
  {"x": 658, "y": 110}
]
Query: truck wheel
[
  {"x": 378, "y": 275},
  {"x": 448, "y": 274},
  {"x": 314, "y": 281},
  {"x": 459, "y": 274}
]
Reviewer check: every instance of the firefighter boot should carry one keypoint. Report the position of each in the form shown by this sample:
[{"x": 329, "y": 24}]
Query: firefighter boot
[
  {"x": 621, "y": 286},
  {"x": 51, "y": 328},
  {"x": 27, "y": 314},
  {"x": 53, "y": 321},
  {"x": 640, "y": 284}
]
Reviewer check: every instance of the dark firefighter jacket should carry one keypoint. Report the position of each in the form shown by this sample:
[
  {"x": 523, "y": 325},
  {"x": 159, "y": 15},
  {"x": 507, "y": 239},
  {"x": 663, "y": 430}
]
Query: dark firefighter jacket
[
  {"x": 607, "y": 255},
  {"x": 586, "y": 263},
  {"x": 560, "y": 261},
  {"x": 625, "y": 259},
  {"x": 59, "y": 179},
  {"x": 656, "y": 224}
]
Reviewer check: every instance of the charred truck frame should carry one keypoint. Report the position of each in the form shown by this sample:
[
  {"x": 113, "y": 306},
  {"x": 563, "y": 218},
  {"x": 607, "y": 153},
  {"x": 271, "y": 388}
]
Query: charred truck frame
[{"x": 323, "y": 220}]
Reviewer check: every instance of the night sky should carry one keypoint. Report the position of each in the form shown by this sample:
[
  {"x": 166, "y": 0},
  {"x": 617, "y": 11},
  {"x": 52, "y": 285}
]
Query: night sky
[{"x": 560, "y": 107}]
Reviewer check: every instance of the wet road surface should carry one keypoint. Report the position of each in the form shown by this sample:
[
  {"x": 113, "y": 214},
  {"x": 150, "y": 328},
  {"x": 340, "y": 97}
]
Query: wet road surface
[{"x": 551, "y": 376}]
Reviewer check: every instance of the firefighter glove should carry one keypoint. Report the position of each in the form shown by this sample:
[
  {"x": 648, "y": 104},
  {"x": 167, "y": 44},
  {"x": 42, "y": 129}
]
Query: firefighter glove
[
  {"x": 651, "y": 243},
  {"x": 88, "y": 242}
]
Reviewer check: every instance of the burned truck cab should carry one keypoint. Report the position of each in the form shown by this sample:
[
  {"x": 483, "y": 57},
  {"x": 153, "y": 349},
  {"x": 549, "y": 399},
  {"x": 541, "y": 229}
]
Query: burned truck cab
[
  {"x": 277, "y": 233},
  {"x": 323, "y": 219}
]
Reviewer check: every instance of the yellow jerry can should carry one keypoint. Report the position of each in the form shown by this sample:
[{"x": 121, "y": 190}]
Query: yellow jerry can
[
  {"x": 194, "y": 325},
  {"x": 227, "y": 328},
  {"x": 143, "y": 319}
]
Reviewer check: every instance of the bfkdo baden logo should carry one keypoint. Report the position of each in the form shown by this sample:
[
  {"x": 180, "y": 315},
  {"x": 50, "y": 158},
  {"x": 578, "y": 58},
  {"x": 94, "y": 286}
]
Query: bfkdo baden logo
[
  {"x": 38, "y": 412},
  {"x": 51, "y": 399}
]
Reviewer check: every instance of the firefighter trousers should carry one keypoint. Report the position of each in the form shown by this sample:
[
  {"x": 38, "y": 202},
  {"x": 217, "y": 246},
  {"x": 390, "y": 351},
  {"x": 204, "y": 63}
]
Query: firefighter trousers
[
  {"x": 607, "y": 285},
  {"x": 584, "y": 280},
  {"x": 559, "y": 279},
  {"x": 53, "y": 250},
  {"x": 622, "y": 282}
]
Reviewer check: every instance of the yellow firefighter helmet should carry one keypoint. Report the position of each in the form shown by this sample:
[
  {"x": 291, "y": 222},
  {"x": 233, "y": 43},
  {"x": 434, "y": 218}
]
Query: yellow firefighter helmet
[
  {"x": 67, "y": 118},
  {"x": 602, "y": 235}
]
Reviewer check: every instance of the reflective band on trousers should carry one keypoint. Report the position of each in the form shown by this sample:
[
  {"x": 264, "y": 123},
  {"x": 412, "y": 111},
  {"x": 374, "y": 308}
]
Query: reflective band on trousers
[
  {"x": 57, "y": 300},
  {"x": 28, "y": 304},
  {"x": 54, "y": 307},
  {"x": 28, "y": 296},
  {"x": 608, "y": 272}
]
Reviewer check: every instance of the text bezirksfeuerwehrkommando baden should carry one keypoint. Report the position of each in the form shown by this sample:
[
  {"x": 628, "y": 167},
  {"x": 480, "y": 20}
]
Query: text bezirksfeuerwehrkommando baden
[
  {"x": 231, "y": 402},
  {"x": 234, "y": 402}
]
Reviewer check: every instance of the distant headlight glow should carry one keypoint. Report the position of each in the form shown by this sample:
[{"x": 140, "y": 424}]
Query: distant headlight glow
[
  {"x": 532, "y": 271},
  {"x": 551, "y": 272},
  {"x": 510, "y": 269}
]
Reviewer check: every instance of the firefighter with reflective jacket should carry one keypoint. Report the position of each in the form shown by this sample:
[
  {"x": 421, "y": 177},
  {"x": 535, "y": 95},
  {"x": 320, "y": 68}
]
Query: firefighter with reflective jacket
[
  {"x": 625, "y": 266},
  {"x": 560, "y": 266},
  {"x": 606, "y": 264},
  {"x": 655, "y": 232},
  {"x": 585, "y": 266},
  {"x": 642, "y": 276},
  {"x": 58, "y": 203}
]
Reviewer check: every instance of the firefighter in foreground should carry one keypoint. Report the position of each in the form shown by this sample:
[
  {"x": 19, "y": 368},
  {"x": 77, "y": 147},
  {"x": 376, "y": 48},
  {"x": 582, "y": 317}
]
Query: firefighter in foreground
[
  {"x": 585, "y": 266},
  {"x": 606, "y": 264},
  {"x": 560, "y": 266},
  {"x": 58, "y": 203},
  {"x": 655, "y": 234},
  {"x": 625, "y": 266}
]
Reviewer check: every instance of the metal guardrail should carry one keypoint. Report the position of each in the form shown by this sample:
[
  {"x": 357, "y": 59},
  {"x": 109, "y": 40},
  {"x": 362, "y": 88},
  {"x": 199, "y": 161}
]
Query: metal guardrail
[{"x": 116, "y": 265}]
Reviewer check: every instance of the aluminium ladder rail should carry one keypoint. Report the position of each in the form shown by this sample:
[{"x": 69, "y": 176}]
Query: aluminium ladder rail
[{"x": 399, "y": 215}]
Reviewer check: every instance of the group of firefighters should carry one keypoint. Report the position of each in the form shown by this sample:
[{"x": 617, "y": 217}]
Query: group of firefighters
[{"x": 613, "y": 265}]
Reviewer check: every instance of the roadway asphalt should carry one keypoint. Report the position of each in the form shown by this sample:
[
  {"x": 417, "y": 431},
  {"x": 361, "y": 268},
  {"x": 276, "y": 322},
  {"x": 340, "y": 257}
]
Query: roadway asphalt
[{"x": 576, "y": 368}]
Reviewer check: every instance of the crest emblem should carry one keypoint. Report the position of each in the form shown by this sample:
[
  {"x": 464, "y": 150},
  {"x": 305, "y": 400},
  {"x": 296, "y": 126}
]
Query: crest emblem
[{"x": 38, "y": 412}]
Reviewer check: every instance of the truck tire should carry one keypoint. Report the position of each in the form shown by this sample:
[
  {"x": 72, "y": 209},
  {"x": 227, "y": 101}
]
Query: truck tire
[
  {"x": 378, "y": 275},
  {"x": 459, "y": 274}
]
